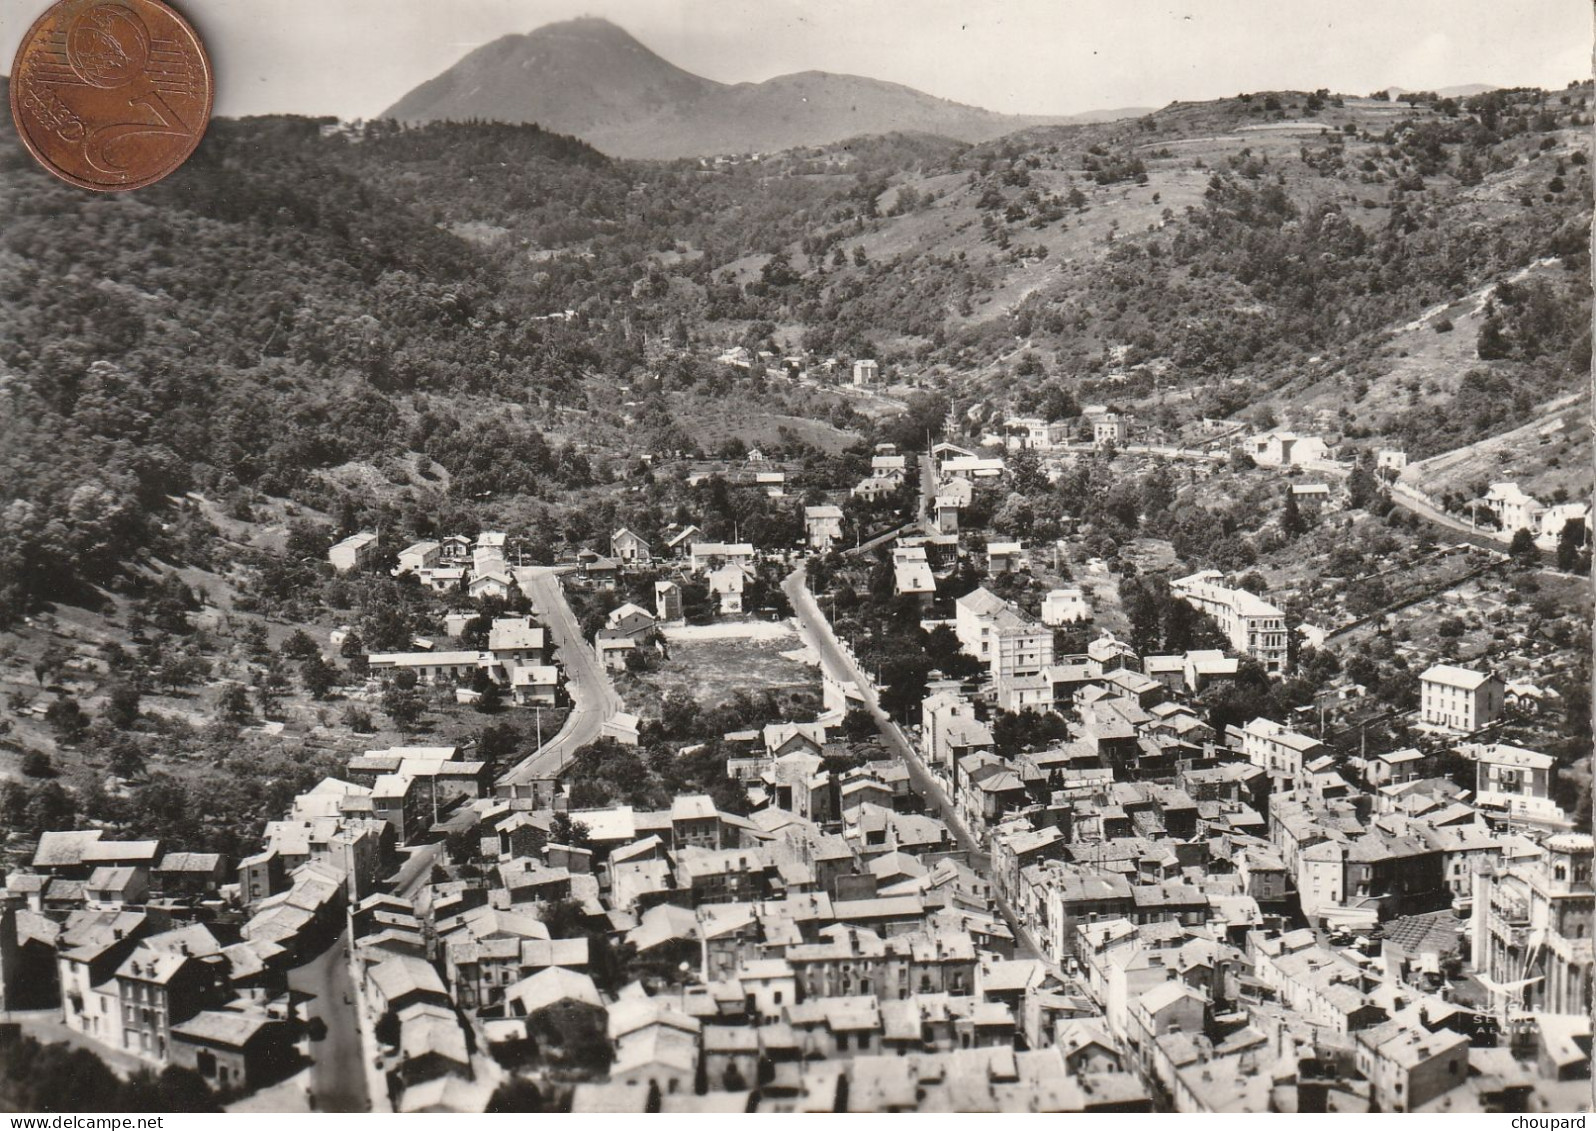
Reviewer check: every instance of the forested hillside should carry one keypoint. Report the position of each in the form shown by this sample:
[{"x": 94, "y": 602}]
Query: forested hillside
[
  {"x": 302, "y": 297},
  {"x": 248, "y": 320}
]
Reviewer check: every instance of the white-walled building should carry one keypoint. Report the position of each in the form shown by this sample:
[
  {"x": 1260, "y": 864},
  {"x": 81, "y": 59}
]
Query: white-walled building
[
  {"x": 1459, "y": 699},
  {"x": 418, "y": 556},
  {"x": 951, "y": 729},
  {"x": 1065, "y": 606},
  {"x": 1287, "y": 449},
  {"x": 1252, "y": 625},
  {"x": 1280, "y": 752},
  {"x": 1515, "y": 779},
  {"x": 1530, "y": 936},
  {"x": 1108, "y": 428},
  {"x": 823, "y": 526},
  {"x": 1514, "y": 509},
  {"x": 1010, "y": 641},
  {"x": 353, "y": 552},
  {"x": 1554, "y": 518}
]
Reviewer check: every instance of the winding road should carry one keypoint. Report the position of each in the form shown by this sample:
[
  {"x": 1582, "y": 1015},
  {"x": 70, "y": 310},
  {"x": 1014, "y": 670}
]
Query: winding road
[{"x": 594, "y": 700}]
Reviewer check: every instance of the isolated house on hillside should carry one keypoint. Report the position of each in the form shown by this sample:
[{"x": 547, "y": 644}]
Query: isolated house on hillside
[
  {"x": 1513, "y": 508},
  {"x": 1288, "y": 449},
  {"x": 1108, "y": 429},
  {"x": 1311, "y": 497},
  {"x": 354, "y": 552},
  {"x": 1065, "y": 606}
]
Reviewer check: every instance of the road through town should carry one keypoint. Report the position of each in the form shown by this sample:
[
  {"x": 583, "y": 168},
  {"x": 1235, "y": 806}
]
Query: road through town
[
  {"x": 836, "y": 661},
  {"x": 337, "y": 1072},
  {"x": 593, "y": 698}
]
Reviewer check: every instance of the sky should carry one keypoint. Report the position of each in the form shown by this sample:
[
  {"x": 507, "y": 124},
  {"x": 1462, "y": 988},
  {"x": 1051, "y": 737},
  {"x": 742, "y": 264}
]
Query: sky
[{"x": 354, "y": 58}]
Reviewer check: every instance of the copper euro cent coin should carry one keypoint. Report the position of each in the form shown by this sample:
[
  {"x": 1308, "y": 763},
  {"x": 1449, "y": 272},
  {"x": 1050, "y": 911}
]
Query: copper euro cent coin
[{"x": 111, "y": 94}]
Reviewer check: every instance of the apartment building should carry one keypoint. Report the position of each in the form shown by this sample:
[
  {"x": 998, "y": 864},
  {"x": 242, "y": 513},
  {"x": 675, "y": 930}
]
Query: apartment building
[{"x": 1253, "y": 626}]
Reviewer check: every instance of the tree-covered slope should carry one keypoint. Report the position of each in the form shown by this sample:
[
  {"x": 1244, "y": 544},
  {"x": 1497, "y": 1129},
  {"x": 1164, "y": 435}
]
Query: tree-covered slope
[
  {"x": 301, "y": 296},
  {"x": 256, "y": 316}
]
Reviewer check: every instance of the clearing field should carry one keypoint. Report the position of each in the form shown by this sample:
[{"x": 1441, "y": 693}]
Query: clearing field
[
  {"x": 1101, "y": 588},
  {"x": 758, "y": 429},
  {"x": 762, "y": 630},
  {"x": 1549, "y": 455},
  {"x": 712, "y": 668},
  {"x": 1419, "y": 363},
  {"x": 1482, "y": 620}
]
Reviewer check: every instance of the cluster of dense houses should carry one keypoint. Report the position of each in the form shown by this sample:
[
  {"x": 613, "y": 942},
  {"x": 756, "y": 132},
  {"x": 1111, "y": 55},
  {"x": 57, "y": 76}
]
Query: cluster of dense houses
[
  {"x": 477, "y": 567},
  {"x": 838, "y": 948},
  {"x": 1105, "y": 427},
  {"x": 832, "y": 950},
  {"x": 1147, "y": 912},
  {"x": 1171, "y": 867},
  {"x": 122, "y": 938},
  {"x": 518, "y": 657},
  {"x": 517, "y": 660},
  {"x": 727, "y": 568},
  {"x": 863, "y": 373}
]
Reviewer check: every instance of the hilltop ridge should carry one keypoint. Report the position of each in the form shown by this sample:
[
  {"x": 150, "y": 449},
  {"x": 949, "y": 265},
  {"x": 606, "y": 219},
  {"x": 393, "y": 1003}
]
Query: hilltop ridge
[{"x": 592, "y": 79}]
